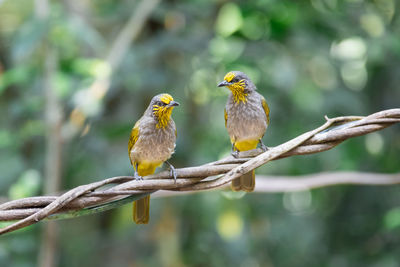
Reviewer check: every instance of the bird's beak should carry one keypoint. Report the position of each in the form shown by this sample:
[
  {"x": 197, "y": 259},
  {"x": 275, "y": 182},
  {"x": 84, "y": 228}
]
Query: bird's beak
[
  {"x": 223, "y": 83},
  {"x": 173, "y": 104}
]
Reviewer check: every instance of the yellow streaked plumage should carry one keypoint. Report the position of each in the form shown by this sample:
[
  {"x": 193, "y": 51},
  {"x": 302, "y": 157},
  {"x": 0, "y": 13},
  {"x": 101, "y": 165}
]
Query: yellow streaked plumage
[
  {"x": 237, "y": 87},
  {"x": 163, "y": 114},
  {"x": 237, "y": 90},
  {"x": 166, "y": 98},
  {"x": 246, "y": 119},
  {"x": 229, "y": 76},
  {"x": 152, "y": 142},
  {"x": 266, "y": 108},
  {"x": 133, "y": 138}
]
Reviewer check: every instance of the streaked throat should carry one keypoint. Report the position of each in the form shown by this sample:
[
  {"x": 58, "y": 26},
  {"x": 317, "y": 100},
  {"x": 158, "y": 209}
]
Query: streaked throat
[
  {"x": 163, "y": 115},
  {"x": 238, "y": 93}
]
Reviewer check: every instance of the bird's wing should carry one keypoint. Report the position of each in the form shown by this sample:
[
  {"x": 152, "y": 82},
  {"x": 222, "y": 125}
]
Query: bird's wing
[
  {"x": 265, "y": 107},
  {"x": 133, "y": 138},
  {"x": 225, "y": 116}
]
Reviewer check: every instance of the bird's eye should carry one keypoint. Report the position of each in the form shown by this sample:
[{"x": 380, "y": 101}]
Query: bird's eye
[{"x": 235, "y": 80}]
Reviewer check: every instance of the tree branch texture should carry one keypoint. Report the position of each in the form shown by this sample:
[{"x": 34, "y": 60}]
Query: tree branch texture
[
  {"x": 112, "y": 192},
  {"x": 280, "y": 184}
]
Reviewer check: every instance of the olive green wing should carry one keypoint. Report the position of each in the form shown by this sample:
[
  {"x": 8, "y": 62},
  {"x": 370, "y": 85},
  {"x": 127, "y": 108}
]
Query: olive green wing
[
  {"x": 133, "y": 138},
  {"x": 265, "y": 107},
  {"x": 225, "y": 116}
]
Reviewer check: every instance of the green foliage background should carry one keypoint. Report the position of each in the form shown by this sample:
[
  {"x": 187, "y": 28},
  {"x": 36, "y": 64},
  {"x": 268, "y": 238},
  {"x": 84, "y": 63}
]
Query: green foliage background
[{"x": 308, "y": 58}]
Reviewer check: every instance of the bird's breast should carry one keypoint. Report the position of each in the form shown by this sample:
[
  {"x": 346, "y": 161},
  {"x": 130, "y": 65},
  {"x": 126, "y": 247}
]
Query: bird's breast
[
  {"x": 154, "y": 144},
  {"x": 246, "y": 121}
]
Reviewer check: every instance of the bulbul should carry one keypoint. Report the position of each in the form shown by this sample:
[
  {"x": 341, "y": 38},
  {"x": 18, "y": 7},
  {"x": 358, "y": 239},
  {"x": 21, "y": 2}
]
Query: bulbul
[
  {"x": 246, "y": 119},
  {"x": 152, "y": 142}
]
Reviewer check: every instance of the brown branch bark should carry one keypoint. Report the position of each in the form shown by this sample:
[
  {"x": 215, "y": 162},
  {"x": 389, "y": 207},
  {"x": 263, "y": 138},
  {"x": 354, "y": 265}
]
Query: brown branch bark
[
  {"x": 56, "y": 205},
  {"x": 271, "y": 184},
  {"x": 281, "y": 184},
  {"x": 53, "y": 114},
  {"x": 265, "y": 184},
  {"x": 330, "y": 134}
]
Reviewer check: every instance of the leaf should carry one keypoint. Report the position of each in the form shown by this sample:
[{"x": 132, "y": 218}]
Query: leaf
[{"x": 14, "y": 76}]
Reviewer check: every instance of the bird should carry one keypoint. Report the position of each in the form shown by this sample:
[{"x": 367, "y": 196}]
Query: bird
[
  {"x": 151, "y": 143},
  {"x": 246, "y": 120}
]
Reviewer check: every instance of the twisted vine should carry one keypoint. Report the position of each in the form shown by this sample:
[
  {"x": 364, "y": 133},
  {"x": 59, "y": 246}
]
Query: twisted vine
[{"x": 116, "y": 191}]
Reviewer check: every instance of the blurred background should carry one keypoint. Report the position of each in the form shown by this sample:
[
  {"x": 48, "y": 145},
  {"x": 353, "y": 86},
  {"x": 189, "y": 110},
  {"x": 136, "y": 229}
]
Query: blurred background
[{"x": 76, "y": 75}]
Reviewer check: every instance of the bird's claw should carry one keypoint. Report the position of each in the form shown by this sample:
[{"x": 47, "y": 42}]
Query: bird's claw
[
  {"x": 173, "y": 173},
  {"x": 138, "y": 177},
  {"x": 263, "y": 147},
  {"x": 235, "y": 154},
  {"x": 234, "y": 151}
]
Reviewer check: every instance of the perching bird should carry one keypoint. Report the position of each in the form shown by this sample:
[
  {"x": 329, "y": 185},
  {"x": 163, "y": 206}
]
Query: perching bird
[
  {"x": 151, "y": 143},
  {"x": 246, "y": 119}
]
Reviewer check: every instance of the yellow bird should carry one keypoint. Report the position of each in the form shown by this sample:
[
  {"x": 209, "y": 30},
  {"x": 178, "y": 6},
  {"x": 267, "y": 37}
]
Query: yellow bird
[
  {"x": 246, "y": 119},
  {"x": 151, "y": 143}
]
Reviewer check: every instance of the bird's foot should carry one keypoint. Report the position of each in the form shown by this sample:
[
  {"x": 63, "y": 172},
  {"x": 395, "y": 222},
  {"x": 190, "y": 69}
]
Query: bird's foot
[
  {"x": 172, "y": 170},
  {"x": 173, "y": 173},
  {"x": 263, "y": 147},
  {"x": 137, "y": 177},
  {"x": 235, "y": 154},
  {"x": 234, "y": 151}
]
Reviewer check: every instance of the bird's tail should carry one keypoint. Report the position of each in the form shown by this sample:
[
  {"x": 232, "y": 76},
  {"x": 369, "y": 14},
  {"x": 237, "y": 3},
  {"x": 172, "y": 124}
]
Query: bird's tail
[
  {"x": 141, "y": 210},
  {"x": 246, "y": 182}
]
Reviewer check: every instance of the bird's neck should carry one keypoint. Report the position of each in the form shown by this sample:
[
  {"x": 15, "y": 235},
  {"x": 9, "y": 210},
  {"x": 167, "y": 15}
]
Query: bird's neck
[
  {"x": 239, "y": 93},
  {"x": 163, "y": 116}
]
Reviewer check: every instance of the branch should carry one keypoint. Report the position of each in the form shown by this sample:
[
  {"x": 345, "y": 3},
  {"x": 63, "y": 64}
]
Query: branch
[
  {"x": 265, "y": 184},
  {"x": 53, "y": 121},
  {"x": 281, "y": 184},
  {"x": 94, "y": 197},
  {"x": 130, "y": 32},
  {"x": 298, "y": 183}
]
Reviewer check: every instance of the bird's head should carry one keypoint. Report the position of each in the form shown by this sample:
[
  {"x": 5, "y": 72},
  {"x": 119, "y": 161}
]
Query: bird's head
[
  {"x": 239, "y": 84},
  {"x": 162, "y": 106}
]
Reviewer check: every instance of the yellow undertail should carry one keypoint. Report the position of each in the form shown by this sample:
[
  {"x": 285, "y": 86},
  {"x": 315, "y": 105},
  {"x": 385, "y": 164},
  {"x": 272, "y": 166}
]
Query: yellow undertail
[
  {"x": 141, "y": 210},
  {"x": 141, "y": 207},
  {"x": 247, "y": 181}
]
